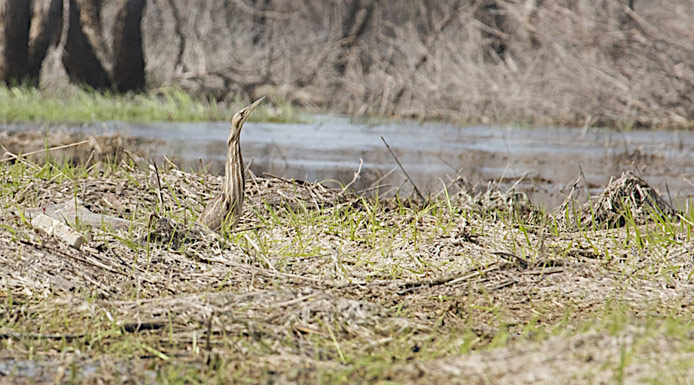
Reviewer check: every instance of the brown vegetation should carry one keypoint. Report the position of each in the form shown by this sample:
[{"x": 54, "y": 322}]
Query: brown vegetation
[
  {"x": 73, "y": 148},
  {"x": 626, "y": 199},
  {"x": 541, "y": 62},
  {"x": 320, "y": 285},
  {"x": 587, "y": 62}
]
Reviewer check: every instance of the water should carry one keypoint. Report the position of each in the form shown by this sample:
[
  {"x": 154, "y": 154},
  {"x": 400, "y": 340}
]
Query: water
[
  {"x": 45, "y": 369},
  {"x": 432, "y": 153}
]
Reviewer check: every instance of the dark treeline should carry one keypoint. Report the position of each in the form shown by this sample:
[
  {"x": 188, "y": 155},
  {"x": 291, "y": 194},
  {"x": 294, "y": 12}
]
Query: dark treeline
[
  {"x": 577, "y": 62},
  {"x": 29, "y": 28}
]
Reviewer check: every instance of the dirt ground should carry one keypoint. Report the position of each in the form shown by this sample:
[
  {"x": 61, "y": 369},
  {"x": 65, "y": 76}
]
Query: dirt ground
[{"x": 320, "y": 285}]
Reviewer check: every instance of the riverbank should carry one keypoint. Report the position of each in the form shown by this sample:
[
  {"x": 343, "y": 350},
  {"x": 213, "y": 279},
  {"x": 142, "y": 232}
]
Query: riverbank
[
  {"x": 321, "y": 285},
  {"x": 618, "y": 64},
  {"x": 74, "y": 105},
  {"x": 547, "y": 160}
]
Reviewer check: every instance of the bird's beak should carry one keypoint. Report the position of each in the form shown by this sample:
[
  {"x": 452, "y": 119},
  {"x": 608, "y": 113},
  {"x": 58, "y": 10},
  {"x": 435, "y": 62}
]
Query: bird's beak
[
  {"x": 247, "y": 110},
  {"x": 240, "y": 118}
]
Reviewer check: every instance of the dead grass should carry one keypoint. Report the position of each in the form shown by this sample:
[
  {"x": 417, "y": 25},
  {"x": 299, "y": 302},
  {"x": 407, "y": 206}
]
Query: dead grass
[
  {"x": 627, "y": 199},
  {"x": 71, "y": 147},
  {"x": 325, "y": 286},
  {"x": 561, "y": 62}
]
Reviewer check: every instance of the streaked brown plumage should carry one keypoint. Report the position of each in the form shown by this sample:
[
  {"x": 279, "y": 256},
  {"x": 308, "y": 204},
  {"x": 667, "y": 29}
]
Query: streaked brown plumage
[{"x": 226, "y": 207}]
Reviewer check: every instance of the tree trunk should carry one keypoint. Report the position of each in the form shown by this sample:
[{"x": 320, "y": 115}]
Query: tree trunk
[
  {"x": 46, "y": 24},
  {"x": 15, "y": 16},
  {"x": 79, "y": 58},
  {"x": 128, "y": 56}
]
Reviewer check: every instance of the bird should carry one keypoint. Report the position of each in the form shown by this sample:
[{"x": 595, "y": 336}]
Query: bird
[{"x": 224, "y": 211}]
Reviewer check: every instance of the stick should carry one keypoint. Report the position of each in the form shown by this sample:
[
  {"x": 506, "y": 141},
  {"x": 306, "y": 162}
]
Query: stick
[
  {"x": 580, "y": 169},
  {"x": 356, "y": 176},
  {"x": 454, "y": 278},
  {"x": 668, "y": 193},
  {"x": 13, "y": 156},
  {"x": 209, "y": 331},
  {"x": 510, "y": 256},
  {"x": 159, "y": 194},
  {"x": 403, "y": 170},
  {"x": 40, "y": 336},
  {"x": 360, "y": 192}
]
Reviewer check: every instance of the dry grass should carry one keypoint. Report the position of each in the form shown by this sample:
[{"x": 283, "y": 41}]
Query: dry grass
[
  {"x": 626, "y": 200},
  {"x": 325, "y": 286},
  {"x": 72, "y": 147},
  {"x": 587, "y": 62}
]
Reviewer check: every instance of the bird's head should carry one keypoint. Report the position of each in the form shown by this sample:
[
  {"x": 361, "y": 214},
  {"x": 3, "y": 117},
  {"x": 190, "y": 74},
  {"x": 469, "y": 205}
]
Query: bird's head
[{"x": 240, "y": 118}]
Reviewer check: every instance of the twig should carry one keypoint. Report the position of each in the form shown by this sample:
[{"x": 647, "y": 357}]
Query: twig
[
  {"x": 517, "y": 182},
  {"x": 454, "y": 278},
  {"x": 403, "y": 170},
  {"x": 159, "y": 194},
  {"x": 295, "y": 300},
  {"x": 585, "y": 182},
  {"x": 548, "y": 271},
  {"x": 688, "y": 181},
  {"x": 39, "y": 336},
  {"x": 667, "y": 188},
  {"x": 14, "y": 156},
  {"x": 360, "y": 192},
  {"x": 510, "y": 256},
  {"x": 356, "y": 176},
  {"x": 465, "y": 277},
  {"x": 19, "y": 159},
  {"x": 263, "y": 271},
  {"x": 290, "y": 181},
  {"x": 209, "y": 331},
  {"x": 248, "y": 167},
  {"x": 375, "y": 184}
]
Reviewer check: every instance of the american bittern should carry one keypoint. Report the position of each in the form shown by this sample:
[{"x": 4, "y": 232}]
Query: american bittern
[{"x": 226, "y": 207}]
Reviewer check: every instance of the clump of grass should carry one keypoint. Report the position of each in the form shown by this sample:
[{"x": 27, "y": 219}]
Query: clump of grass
[
  {"x": 24, "y": 103},
  {"x": 322, "y": 285}
]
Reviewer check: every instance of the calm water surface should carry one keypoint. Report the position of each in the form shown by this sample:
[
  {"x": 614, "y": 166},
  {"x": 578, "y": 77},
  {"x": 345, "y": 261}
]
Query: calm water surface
[{"x": 432, "y": 153}]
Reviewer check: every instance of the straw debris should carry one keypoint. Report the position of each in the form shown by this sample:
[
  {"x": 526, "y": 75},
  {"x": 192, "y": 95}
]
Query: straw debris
[
  {"x": 71, "y": 147},
  {"x": 318, "y": 284},
  {"x": 627, "y": 199}
]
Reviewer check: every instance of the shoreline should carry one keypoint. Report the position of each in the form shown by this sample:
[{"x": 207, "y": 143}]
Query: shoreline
[{"x": 325, "y": 285}]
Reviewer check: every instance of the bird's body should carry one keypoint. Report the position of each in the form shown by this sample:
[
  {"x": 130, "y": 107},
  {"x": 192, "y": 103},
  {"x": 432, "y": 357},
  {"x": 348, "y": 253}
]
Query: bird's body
[{"x": 224, "y": 211}]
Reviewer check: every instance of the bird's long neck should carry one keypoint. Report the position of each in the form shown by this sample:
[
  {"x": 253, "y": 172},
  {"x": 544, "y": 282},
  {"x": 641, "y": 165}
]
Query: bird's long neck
[{"x": 233, "y": 175}]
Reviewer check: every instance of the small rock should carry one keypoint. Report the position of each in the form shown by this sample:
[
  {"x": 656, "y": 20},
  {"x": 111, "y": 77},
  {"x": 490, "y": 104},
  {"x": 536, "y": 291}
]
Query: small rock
[{"x": 58, "y": 229}]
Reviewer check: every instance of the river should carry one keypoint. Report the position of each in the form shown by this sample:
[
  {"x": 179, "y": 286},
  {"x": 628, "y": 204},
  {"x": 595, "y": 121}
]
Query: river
[{"x": 433, "y": 154}]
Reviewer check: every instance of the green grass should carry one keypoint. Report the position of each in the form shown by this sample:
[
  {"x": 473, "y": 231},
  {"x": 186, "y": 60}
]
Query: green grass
[
  {"x": 21, "y": 104},
  {"x": 362, "y": 241}
]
